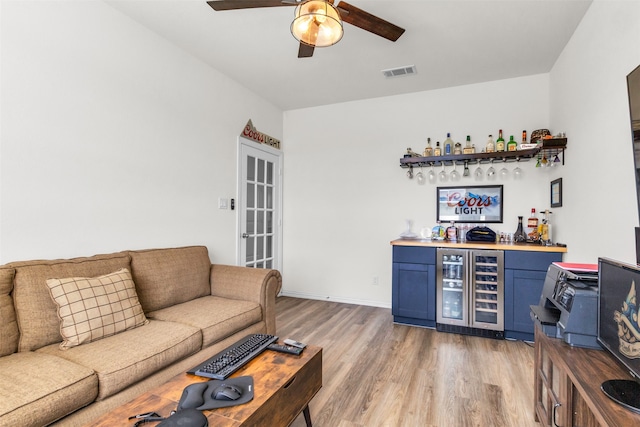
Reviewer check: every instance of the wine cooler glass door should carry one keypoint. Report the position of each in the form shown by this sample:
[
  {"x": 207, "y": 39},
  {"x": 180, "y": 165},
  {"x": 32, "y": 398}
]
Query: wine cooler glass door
[
  {"x": 487, "y": 303},
  {"x": 452, "y": 287}
]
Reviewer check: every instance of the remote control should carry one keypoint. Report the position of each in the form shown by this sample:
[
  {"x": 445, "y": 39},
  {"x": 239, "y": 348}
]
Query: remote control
[
  {"x": 294, "y": 343},
  {"x": 285, "y": 349}
]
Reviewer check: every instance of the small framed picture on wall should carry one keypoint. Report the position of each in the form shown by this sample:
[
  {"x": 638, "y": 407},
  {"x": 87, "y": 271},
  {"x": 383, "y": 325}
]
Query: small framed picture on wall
[{"x": 556, "y": 193}]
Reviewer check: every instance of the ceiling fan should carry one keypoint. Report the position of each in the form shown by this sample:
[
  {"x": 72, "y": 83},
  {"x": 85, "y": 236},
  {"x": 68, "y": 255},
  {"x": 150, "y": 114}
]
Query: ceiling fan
[{"x": 318, "y": 23}]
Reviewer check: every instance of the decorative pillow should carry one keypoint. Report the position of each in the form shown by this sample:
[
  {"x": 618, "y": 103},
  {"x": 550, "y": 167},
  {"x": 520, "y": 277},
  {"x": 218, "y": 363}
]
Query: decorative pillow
[{"x": 93, "y": 308}]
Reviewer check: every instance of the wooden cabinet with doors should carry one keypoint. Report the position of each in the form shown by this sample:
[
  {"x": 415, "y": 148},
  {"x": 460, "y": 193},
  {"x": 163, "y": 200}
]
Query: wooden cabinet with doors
[{"x": 567, "y": 386}]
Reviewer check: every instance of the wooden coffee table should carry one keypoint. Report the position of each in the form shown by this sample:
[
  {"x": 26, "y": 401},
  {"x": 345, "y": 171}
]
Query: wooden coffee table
[{"x": 284, "y": 384}]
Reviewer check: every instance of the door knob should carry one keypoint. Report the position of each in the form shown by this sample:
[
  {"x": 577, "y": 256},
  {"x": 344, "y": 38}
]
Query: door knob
[{"x": 245, "y": 235}]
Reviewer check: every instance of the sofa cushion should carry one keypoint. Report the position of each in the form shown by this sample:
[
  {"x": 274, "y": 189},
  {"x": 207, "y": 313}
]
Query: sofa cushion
[
  {"x": 8, "y": 323},
  {"x": 130, "y": 356},
  {"x": 36, "y": 312},
  {"x": 37, "y": 389},
  {"x": 165, "y": 277},
  {"x": 217, "y": 317},
  {"x": 93, "y": 308}
]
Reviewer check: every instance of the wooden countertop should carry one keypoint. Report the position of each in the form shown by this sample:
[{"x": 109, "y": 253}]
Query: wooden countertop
[{"x": 478, "y": 245}]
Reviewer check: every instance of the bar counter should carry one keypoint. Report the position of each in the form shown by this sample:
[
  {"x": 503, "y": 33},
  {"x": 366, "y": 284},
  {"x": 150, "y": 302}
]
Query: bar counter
[{"x": 479, "y": 245}]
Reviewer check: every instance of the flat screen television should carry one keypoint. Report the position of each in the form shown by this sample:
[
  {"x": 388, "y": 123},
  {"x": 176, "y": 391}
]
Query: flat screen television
[{"x": 618, "y": 330}]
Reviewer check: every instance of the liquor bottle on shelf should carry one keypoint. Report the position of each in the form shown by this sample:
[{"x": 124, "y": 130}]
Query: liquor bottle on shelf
[
  {"x": 448, "y": 144},
  {"x": 437, "y": 151},
  {"x": 428, "y": 151},
  {"x": 468, "y": 148},
  {"x": 519, "y": 236},
  {"x": 500, "y": 142},
  {"x": 452, "y": 232},
  {"x": 491, "y": 146},
  {"x": 524, "y": 136},
  {"x": 544, "y": 228},
  {"x": 457, "y": 148},
  {"x": 532, "y": 226},
  {"x": 512, "y": 145}
]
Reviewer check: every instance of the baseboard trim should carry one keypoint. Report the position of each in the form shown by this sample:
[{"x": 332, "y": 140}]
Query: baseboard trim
[{"x": 305, "y": 295}]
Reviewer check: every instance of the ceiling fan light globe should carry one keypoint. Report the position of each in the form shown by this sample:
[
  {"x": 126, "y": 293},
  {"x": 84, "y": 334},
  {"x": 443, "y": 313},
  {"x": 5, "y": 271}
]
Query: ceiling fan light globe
[{"x": 317, "y": 23}]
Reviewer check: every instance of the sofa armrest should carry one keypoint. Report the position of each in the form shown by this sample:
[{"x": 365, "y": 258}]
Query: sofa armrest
[{"x": 250, "y": 284}]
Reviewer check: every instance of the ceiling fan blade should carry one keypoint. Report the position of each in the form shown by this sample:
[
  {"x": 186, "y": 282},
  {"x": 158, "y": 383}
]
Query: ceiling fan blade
[
  {"x": 247, "y": 4},
  {"x": 305, "y": 50},
  {"x": 369, "y": 22}
]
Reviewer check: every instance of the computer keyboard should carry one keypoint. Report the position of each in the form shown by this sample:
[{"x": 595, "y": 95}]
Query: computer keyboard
[{"x": 234, "y": 357}]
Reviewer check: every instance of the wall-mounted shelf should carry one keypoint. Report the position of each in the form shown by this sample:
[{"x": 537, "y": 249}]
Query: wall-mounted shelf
[{"x": 549, "y": 149}]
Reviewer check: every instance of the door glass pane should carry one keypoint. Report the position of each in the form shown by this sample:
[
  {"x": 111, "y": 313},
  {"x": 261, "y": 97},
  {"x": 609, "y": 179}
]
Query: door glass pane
[
  {"x": 486, "y": 289},
  {"x": 269, "y": 222},
  {"x": 269, "y": 246},
  {"x": 251, "y": 195},
  {"x": 249, "y": 254},
  {"x": 251, "y": 168},
  {"x": 260, "y": 196},
  {"x": 268, "y": 264},
  {"x": 452, "y": 289},
  {"x": 260, "y": 170},
  {"x": 260, "y": 248},
  {"x": 251, "y": 223},
  {"x": 260, "y": 229},
  {"x": 269, "y": 197},
  {"x": 269, "y": 173}
]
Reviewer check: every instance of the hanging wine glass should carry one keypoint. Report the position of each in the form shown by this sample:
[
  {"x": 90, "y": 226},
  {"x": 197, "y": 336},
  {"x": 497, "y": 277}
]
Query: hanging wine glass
[
  {"x": 410, "y": 172},
  {"x": 478, "y": 173},
  {"x": 432, "y": 175},
  {"x": 517, "y": 172},
  {"x": 504, "y": 172},
  {"x": 491, "y": 172},
  {"x": 455, "y": 175},
  {"x": 420, "y": 177},
  {"x": 443, "y": 174}
]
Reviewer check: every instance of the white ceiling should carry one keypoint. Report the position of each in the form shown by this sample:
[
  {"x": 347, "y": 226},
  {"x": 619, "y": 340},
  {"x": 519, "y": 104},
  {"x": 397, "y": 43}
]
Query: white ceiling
[{"x": 451, "y": 43}]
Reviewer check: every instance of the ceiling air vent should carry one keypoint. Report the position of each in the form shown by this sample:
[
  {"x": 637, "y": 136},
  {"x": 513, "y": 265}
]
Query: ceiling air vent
[{"x": 400, "y": 71}]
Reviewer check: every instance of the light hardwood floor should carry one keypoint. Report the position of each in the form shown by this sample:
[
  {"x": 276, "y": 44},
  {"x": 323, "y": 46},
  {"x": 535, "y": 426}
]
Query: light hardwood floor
[{"x": 377, "y": 373}]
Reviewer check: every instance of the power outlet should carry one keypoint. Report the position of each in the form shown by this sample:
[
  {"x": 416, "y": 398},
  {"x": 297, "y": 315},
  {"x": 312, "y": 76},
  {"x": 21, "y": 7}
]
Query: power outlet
[{"x": 375, "y": 281}]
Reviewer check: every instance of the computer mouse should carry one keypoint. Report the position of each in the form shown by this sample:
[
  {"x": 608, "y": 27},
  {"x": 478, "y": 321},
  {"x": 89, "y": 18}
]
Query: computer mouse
[{"x": 227, "y": 392}]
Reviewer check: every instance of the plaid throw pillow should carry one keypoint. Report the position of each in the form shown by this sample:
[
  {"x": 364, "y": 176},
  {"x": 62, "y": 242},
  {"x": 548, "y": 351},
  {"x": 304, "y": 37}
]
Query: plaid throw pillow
[{"x": 93, "y": 308}]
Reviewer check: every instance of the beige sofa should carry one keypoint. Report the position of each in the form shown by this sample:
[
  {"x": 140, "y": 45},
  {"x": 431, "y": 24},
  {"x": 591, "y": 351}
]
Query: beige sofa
[{"x": 183, "y": 310}]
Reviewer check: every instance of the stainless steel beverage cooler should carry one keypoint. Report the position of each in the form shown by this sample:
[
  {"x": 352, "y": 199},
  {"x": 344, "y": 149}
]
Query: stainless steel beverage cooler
[{"x": 470, "y": 292}]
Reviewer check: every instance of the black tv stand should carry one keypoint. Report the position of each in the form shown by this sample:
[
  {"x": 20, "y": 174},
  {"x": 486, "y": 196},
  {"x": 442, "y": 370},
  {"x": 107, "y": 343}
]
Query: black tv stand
[{"x": 623, "y": 392}]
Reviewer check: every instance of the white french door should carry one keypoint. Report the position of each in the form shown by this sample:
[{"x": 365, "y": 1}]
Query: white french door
[{"x": 259, "y": 205}]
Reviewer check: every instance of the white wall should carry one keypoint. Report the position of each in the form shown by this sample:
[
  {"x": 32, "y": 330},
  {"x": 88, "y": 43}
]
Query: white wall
[
  {"x": 589, "y": 101},
  {"x": 346, "y": 197},
  {"x": 112, "y": 138}
]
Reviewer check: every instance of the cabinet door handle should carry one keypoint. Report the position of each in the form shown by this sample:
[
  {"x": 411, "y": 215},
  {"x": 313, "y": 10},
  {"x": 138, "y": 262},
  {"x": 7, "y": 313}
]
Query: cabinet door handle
[{"x": 555, "y": 407}]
